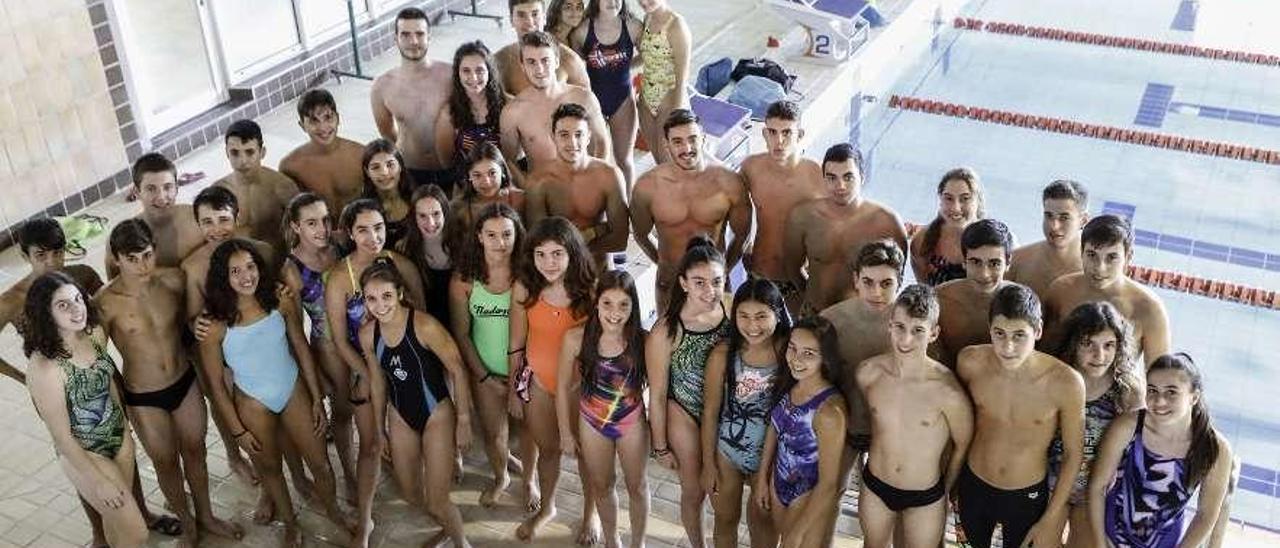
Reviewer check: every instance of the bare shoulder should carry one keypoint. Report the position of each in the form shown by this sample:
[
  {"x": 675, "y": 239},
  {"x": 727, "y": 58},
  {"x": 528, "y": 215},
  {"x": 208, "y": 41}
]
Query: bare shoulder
[
  {"x": 578, "y": 94},
  {"x": 519, "y": 293},
  {"x": 1061, "y": 375},
  {"x": 1145, "y": 301},
  {"x": 832, "y": 412},
  {"x": 1064, "y": 284},
  {"x": 1026, "y": 253},
  {"x": 171, "y": 278},
  {"x": 971, "y": 361},
  {"x": 871, "y": 369},
  {"x": 803, "y": 211}
]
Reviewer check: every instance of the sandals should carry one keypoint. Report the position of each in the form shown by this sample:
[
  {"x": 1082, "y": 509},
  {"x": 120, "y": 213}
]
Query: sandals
[{"x": 165, "y": 525}]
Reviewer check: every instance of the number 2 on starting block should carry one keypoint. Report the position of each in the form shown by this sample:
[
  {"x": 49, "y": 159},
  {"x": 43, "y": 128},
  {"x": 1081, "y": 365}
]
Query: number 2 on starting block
[{"x": 829, "y": 46}]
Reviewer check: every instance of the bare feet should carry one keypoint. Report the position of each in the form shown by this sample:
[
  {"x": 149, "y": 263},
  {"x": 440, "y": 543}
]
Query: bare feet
[
  {"x": 514, "y": 466},
  {"x": 343, "y": 520},
  {"x": 360, "y": 539},
  {"x": 436, "y": 540},
  {"x": 589, "y": 530},
  {"x": 306, "y": 490},
  {"x": 614, "y": 541},
  {"x": 533, "y": 497},
  {"x": 457, "y": 468},
  {"x": 190, "y": 537},
  {"x": 160, "y": 523},
  {"x": 222, "y": 528},
  {"x": 489, "y": 498},
  {"x": 292, "y": 536},
  {"x": 265, "y": 510},
  {"x": 530, "y": 526},
  {"x": 241, "y": 468}
]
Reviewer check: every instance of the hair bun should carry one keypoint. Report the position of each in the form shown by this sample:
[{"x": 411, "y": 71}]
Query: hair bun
[{"x": 699, "y": 240}]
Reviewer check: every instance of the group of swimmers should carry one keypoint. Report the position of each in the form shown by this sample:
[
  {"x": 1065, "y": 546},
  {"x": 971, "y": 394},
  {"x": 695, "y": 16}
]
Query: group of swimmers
[{"x": 1031, "y": 389}]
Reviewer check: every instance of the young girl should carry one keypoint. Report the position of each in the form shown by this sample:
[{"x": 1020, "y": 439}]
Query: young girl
[
  {"x": 71, "y": 383},
  {"x": 744, "y": 381},
  {"x": 1151, "y": 461},
  {"x": 665, "y": 51},
  {"x": 387, "y": 181},
  {"x": 429, "y": 244},
  {"x": 261, "y": 340},
  {"x": 1098, "y": 344},
  {"x": 552, "y": 296},
  {"x": 607, "y": 358},
  {"x": 470, "y": 117},
  {"x": 935, "y": 251},
  {"x": 676, "y": 354},
  {"x": 311, "y": 253},
  {"x": 563, "y": 16},
  {"x": 607, "y": 46},
  {"x": 488, "y": 181},
  {"x": 363, "y": 221},
  {"x": 414, "y": 353},
  {"x": 801, "y": 462},
  {"x": 480, "y": 306}
]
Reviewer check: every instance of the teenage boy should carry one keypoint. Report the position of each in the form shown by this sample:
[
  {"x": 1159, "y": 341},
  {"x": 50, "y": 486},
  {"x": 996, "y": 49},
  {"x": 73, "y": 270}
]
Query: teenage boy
[
  {"x": 531, "y": 16},
  {"x": 1022, "y": 400},
  {"x": 155, "y": 179},
  {"x": 217, "y": 212},
  {"x": 919, "y": 411},
  {"x": 778, "y": 180},
  {"x": 985, "y": 245},
  {"x": 142, "y": 311},
  {"x": 264, "y": 192},
  {"x": 1106, "y": 249},
  {"x": 326, "y": 164},
  {"x": 1036, "y": 265},
  {"x": 822, "y": 233}
]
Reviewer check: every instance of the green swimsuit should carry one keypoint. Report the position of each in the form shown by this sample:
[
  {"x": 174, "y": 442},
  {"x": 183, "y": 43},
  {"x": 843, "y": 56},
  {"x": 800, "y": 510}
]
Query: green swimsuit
[{"x": 97, "y": 420}]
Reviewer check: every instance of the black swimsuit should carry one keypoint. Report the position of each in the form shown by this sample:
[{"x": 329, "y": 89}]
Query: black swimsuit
[{"x": 415, "y": 375}]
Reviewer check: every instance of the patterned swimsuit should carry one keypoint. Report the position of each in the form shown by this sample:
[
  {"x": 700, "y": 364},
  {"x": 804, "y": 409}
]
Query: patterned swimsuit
[{"x": 1146, "y": 504}]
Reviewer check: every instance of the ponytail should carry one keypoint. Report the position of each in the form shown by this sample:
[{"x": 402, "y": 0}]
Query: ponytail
[
  {"x": 1204, "y": 449},
  {"x": 699, "y": 250}
]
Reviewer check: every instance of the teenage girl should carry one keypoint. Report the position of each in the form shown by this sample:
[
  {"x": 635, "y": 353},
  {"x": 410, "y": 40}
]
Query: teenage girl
[
  {"x": 430, "y": 245},
  {"x": 745, "y": 379},
  {"x": 607, "y": 45},
  {"x": 1099, "y": 345},
  {"x": 430, "y": 423},
  {"x": 935, "y": 251},
  {"x": 261, "y": 340},
  {"x": 387, "y": 181},
  {"x": 551, "y": 296},
  {"x": 1151, "y": 461},
  {"x": 606, "y": 360},
  {"x": 470, "y": 117},
  {"x": 364, "y": 223},
  {"x": 480, "y": 306},
  {"x": 72, "y": 386},
  {"x": 311, "y": 254},
  {"x": 488, "y": 181},
  {"x": 563, "y": 16},
  {"x": 665, "y": 46},
  {"x": 801, "y": 462},
  {"x": 676, "y": 354}
]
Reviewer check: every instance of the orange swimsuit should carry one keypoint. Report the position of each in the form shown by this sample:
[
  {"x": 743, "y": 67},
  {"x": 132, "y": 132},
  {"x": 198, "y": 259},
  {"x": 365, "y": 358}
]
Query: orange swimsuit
[{"x": 547, "y": 327}]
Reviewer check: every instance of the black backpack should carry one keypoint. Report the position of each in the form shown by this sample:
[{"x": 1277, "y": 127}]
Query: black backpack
[{"x": 760, "y": 66}]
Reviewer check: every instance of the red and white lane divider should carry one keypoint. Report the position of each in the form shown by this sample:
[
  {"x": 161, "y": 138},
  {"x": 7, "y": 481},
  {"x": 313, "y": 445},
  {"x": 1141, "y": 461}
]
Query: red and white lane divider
[
  {"x": 1096, "y": 131},
  {"x": 1205, "y": 287},
  {"x": 1123, "y": 42}
]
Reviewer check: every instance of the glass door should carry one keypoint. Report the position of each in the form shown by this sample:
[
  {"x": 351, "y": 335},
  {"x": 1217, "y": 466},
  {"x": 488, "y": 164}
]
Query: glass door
[
  {"x": 324, "y": 19},
  {"x": 172, "y": 60},
  {"x": 255, "y": 35}
]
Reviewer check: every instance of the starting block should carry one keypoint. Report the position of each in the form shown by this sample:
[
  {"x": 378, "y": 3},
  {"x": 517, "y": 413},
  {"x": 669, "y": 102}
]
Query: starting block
[
  {"x": 724, "y": 122},
  {"x": 835, "y": 27}
]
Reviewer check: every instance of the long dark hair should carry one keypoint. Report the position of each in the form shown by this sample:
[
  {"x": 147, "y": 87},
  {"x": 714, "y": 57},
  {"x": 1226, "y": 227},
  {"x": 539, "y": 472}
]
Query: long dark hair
[
  {"x": 632, "y": 332},
  {"x": 220, "y": 298},
  {"x": 578, "y": 279},
  {"x": 828, "y": 343},
  {"x": 383, "y": 146},
  {"x": 760, "y": 290},
  {"x": 699, "y": 250},
  {"x": 291, "y": 212},
  {"x": 471, "y": 264},
  {"x": 38, "y": 329},
  {"x": 484, "y": 151},
  {"x": 970, "y": 177},
  {"x": 553, "y": 16},
  {"x": 1204, "y": 439},
  {"x": 460, "y": 112},
  {"x": 411, "y": 245},
  {"x": 1092, "y": 318}
]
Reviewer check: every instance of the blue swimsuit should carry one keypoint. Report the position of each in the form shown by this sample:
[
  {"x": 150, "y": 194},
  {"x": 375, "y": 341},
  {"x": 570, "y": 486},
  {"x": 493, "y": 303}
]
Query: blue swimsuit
[
  {"x": 795, "y": 470},
  {"x": 258, "y": 354}
]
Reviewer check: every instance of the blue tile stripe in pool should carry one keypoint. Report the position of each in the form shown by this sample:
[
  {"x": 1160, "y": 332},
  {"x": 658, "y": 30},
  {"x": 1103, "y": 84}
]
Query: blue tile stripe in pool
[
  {"x": 1229, "y": 114},
  {"x": 1195, "y": 248},
  {"x": 1154, "y": 105},
  {"x": 1185, "y": 18}
]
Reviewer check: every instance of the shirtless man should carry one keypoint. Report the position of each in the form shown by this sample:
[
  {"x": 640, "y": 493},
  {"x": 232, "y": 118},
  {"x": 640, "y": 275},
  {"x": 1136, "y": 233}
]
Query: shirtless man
[
  {"x": 407, "y": 99},
  {"x": 326, "y": 164},
  {"x": 1107, "y": 248},
  {"x": 524, "y": 121},
  {"x": 823, "y": 232},
  {"x": 155, "y": 179},
  {"x": 142, "y": 312},
  {"x": 985, "y": 245},
  {"x": 918, "y": 409},
  {"x": 585, "y": 190},
  {"x": 531, "y": 16},
  {"x": 778, "y": 180},
  {"x": 42, "y": 244},
  {"x": 687, "y": 196},
  {"x": 1022, "y": 400},
  {"x": 1036, "y": 265},
  {"x": 264, "y": 191},
  {"x": 862, "y": 321}
]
